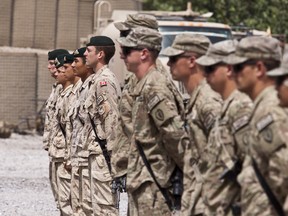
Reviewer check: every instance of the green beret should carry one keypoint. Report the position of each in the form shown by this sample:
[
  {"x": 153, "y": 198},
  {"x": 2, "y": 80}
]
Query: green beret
[
  {"x": 79, "y": 52},
  {"x": 63, "y": 59},
  {"x": 54, "y": 53},
  {"x": 100, "y": 41}
]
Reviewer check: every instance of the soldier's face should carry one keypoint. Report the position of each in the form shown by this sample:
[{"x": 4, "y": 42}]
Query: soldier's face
[
  {"x": 61, "y": 79},
  {"x": 52, "y": 69},
  {"x": 79, "y": 67},
  {"x": 216, "y": 76},
  {"x": 131, "y": 57},
  {"x": 282, "y": 88},
  {"x": 245, "y": 75},
  {"x": 91, "y": 56},
  {"x": 68, "y": 72},
  {"x": 179, "y": 67}
]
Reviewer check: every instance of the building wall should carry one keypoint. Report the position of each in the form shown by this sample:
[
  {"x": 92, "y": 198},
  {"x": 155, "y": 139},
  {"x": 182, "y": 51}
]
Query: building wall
[
  {"x": 17, "y": 86},
  {"x": 5, "y": 22},
  {"x": 45, "y": 24},
  {"x": 25, "y": 82}
]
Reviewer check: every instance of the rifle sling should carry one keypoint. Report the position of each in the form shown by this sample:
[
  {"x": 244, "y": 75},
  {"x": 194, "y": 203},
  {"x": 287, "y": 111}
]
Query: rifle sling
[
  {"x": 163, "y": 191},
  {"x": 102, "y": 143},
  {"x": 272, "y": 198}
]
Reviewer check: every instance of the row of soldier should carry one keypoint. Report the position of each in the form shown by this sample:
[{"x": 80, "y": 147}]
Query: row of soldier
[{"x": 221, "y": 152}]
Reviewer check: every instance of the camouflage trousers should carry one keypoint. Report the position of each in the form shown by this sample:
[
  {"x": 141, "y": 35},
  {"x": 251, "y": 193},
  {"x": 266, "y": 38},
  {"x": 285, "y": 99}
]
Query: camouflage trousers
[
  {"x": 147, "y": 200},
  {"x": 53, "y": 182},
  {"x": 63, "y": 182},
  {"x": 192, "y": 201},
  {"x": 103, "y": 201}
]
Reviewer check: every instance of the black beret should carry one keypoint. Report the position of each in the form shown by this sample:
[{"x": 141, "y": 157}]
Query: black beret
[
  {"x": 63, "y": 59},
  {"x": 79, "y": 52},
  {"x": 54, "y": 53},
  {"x": 100, "y": 41}
]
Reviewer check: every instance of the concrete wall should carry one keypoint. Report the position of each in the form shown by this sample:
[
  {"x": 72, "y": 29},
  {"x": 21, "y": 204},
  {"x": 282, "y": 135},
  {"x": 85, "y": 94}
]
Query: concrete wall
[
  {"x": 5, "y": 22},
  {"x": 25, "y": 82}
]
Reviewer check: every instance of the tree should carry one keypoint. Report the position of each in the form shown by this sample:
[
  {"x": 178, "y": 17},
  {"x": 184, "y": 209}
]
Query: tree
[{"x": 259, "y": 14}]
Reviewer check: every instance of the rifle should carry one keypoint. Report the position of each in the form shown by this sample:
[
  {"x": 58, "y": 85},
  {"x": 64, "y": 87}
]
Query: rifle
[{"x": 103, "y": 146}]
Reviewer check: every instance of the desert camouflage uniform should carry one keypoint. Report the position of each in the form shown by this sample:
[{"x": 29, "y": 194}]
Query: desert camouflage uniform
[
  {"x": 58, "y": 150},
  {"x": 120, "y": 151},
  {"x": 270, "y": 153},
  {"x": 225, "y": 147},
  {"x": 72, "y": 99},
  {"x": 101, "y": 106},
  {"x": 282, "y": 165},
  {"x": 50, "y": 110},
  {"x": 80, "y": 184},
  {"x": 158, "y": 128},
  {"x": 201, "y": 111}
]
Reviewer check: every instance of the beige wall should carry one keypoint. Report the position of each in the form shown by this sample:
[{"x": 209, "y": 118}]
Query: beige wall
[{"x": 25, "y": 82}]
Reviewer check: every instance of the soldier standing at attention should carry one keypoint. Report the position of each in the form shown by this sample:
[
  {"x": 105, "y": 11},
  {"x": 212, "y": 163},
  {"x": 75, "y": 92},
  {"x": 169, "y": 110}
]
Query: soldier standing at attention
[
  {"x": 225, "y": 150},
  {"x": 203, "y": 107},
  {"x": 59, "y": 145},
  {"x": 254, "y": 57},
  {"x": 80, "y": 183},
  {"x": 120, "y": 152},
  {"x": 281, "y": 76},
  {"x": 100, "y": 125},
  {"x": 158, "y": 129},
  {"x": 50, "y": 110}
]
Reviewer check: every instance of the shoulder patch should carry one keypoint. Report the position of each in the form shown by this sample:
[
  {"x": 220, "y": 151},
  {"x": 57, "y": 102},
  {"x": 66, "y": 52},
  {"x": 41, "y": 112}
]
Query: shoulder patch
[
  {"x": 103, "y": 83},
  {"x": 100, "y": 99},
  {"x": 153, "y": 102},
  {"x": 264, "y": 122},
  {"x": 240, "y": 122}
]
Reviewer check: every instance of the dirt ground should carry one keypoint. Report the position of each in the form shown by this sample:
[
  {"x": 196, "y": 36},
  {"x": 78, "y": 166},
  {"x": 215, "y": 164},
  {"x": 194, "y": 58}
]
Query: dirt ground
[{"x": 24, "y": 183}]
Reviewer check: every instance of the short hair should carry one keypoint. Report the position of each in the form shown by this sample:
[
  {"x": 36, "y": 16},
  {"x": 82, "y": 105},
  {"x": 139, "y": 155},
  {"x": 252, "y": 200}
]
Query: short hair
[{"x": 108, "y": 50}]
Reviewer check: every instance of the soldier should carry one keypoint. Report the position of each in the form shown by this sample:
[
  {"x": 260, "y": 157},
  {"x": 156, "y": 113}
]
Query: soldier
[
  {"x": 100, "y": 125},
  {"x": 225, "y": 150},
  {"x": 80, "y": 183},
  {"x": 280, "y": 75},
  {"x": 157, "y": 127},
  {"x": 119, "y": 159},
  {"x": 254, "y": 57},
  {"x": 59, "y": 145},
  {"x": 49, "y": 107},
  {"x": 204, "y": 105}
]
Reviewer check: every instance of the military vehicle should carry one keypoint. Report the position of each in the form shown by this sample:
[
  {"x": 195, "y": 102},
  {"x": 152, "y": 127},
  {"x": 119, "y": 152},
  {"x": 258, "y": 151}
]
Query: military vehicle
[{"x": 170, "y": 24}]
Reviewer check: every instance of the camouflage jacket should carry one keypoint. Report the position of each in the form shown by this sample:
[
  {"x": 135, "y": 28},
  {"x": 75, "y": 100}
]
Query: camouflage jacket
[
  {"x": 120, "y": 151},
  {"x": 226, "y": 146},
  {"x": 102, "y": 107},
  {"x": 158, "y": 128},
  {"x": 77, "y": 117},
  {"x": 270, "y": 153},
  {"x": 201, "y": 112},
  {"x": 59, "y": 147},
  {"x": 50, "y": 110},
  {"x": 72, "y": 99}
]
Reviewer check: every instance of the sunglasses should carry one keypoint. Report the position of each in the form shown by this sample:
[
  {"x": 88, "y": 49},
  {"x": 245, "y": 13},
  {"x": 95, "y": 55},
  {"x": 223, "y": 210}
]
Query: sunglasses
[
  {"x": 210, "y": 69},
  {"x": 239, "y": 67},
  {"x": 124, "y": 33},
  {"x": 127, "y": 50},
  {"x": 173, "y": 59}
]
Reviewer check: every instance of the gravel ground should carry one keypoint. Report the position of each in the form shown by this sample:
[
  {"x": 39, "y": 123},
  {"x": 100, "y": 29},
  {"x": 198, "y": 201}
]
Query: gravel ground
[{"x": 24, "y": 183}]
